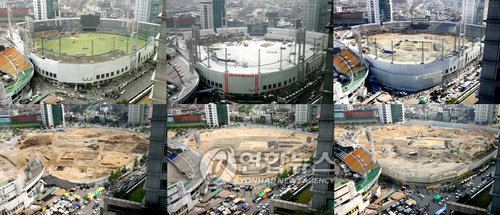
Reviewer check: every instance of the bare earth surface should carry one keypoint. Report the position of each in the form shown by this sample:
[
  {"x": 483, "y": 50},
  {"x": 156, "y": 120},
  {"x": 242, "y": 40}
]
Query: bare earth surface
[
  {"x": 251, "y": 141},
  {"x": 438, "y": 150},
  {"x": 79, "y": 155}
]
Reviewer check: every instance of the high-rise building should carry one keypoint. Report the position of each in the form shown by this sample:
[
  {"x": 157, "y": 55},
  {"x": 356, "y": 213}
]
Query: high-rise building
[
  {"x": 217, "y": 114},
  {"x": 323, "y": 189},
  {"x": 212, "y": 14},
  {"x": 52, "y": 115},
  {"x": 379, "y": 10},
  {"x": 391, "y": 113},
  {"x": 219, "y": 13},
  {"x": 485, "y": 113},
  {"x": 45, "y": 9},
  {"x": 385, "y": 8},
  {"x": 372, "y": 8},
  {"x": 301, "y": 114},
  {"x": 304, "y": 113},
  {"x": 315, "y": 15},
  {"x": 489, "y": 88},
  {"x": 155, "y": 186},
  {"x": 384, "y": 113},
  {"x": 206, "y": 14},
  {"x": 137, "y": 114},
  {"x": 397, "y": 113},
  {"x": 147, "y": 10},
  {"x": 470, "y": 10}
]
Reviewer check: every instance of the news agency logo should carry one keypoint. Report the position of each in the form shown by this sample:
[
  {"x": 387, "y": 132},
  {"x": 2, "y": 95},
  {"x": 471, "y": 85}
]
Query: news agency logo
[
  {"x": 224, "y": 163},
  {"x": 221, "y": 163}
]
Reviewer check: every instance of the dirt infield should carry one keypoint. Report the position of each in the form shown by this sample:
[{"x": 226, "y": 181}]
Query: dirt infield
[
  {"x": 81, "y": 154},
  {"x": 422, "y": 150}
]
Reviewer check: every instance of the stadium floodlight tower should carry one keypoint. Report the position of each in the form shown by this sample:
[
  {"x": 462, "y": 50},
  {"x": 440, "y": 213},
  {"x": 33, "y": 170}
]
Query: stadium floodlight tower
[
  {"x": 134, "y": 31},
  {"x": 28, "y": 30},
  {"x": 300, "y": 38},
  {"x": 462, "y": 38},
  {"x": 159, "y": 92}
]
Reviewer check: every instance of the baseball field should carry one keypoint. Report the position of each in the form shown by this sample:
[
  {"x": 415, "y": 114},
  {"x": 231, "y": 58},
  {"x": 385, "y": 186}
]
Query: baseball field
[{"x": 81, "y": 44}]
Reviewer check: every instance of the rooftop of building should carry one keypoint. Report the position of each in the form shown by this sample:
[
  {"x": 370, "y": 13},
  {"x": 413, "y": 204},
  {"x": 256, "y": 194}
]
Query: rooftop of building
[{"x": 243, "y": 55}]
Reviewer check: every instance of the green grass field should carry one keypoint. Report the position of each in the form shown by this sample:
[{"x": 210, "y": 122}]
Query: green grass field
[{"x": 81, "y": 44}]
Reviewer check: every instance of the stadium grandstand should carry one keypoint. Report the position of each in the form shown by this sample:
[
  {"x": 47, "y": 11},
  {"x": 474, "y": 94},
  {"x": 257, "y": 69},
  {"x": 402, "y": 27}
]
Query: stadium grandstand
[
  {"x": 15, "y": 70},
  {"x": 358, "y": 173},
  {"x": 85, "y": 51},
  {"x": 350, "y": 72}
]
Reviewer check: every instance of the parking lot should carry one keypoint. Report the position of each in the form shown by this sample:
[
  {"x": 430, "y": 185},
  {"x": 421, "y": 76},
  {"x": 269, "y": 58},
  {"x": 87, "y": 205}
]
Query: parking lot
[{"x": 256, "y": 198}]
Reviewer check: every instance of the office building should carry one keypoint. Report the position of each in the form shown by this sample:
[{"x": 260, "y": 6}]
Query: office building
[
  {"x": 304, "y": 113},
  {"x": 147, "y": 10},
  {"x": 372, "y": 8},
  {"x": 489, "y": 87},
  {"x": 52, "y": 115},
  {"x": 315, "y": 15},
  {"x": 384, "y": 114},
  {"x": 219, "y": 13},
  {"x": 379, "y": 10},
  {"x": 217, "y": 114},
  {"x": 212, "y": 14},
  {"x": 45, "y": 9},
  {"x": 137, "y": 114},
  {"x": 485, "y": 113},
  {"x": 206, "y": 14}
]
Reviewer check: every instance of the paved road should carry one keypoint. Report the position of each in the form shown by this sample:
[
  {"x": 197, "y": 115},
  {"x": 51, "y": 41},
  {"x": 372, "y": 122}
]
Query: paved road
[{"x": 447, "y": 194}]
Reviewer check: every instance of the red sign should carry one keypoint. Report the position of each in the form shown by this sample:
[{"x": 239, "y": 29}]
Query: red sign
[
  {"x": 358, "y": 113},
  {"x": 187, "y": 118}
]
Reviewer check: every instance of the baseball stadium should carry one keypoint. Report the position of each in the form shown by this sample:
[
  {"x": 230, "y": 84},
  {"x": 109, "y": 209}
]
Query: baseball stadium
[
  {"x": 422, "y": 52},
  {"x": 87, "y": 50},
  {"x": 237, "y": 63},
  {"x": 16, "y": 72}
]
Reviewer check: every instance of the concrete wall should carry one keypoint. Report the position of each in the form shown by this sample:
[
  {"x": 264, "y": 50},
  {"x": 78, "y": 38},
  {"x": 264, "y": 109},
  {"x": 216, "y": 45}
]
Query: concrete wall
[
  {"x": 432, "y": 179},
  {"x": 421, "y": 76},
  {"x": 86, "y": 73},
  {"x": 245, "y": 84}
]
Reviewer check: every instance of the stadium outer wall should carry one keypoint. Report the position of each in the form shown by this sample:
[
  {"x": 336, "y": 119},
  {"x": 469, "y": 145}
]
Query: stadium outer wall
[
  {"x": 421, "y": 76},
  {"x": 234, "y": 84},
  {"x": 87, "y": 73}
]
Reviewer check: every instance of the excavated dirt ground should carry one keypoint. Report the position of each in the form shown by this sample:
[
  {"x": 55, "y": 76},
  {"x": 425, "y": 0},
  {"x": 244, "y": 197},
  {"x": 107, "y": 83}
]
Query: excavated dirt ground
[
  {"x": 79, "y": 155},
  {"x": 254, "y": 141},
  {"x": 438, "y": 150}
]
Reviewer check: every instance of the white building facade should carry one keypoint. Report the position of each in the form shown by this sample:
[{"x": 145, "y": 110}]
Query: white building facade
[
  {"x": 143, "y": 10},
  {"x": 211, "y": 115},
  {"x": 485, "y": 113},
  {"x": 385, "y": 114},
  {"x": 136, "y": 114},
  {"x": 206, "y": 14},
  {"x": 40, "y": 9},
  {"x": 373, "y": 10},
  {"x": 302, "y": 113}
]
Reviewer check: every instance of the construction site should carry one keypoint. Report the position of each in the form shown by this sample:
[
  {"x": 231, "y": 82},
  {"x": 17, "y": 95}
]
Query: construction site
[
  {"x": 78, "y": 155},
  {"x": 425, "y": 153},
  {"x": 252, "y": 152}
]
